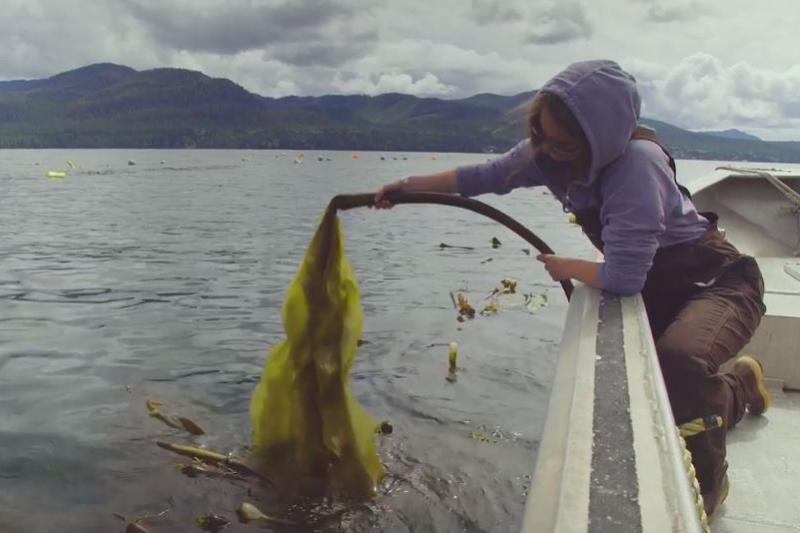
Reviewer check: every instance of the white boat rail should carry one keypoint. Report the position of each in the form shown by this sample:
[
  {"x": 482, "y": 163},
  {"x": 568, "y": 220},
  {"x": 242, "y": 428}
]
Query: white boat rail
[{"x": 611, "y": 458}]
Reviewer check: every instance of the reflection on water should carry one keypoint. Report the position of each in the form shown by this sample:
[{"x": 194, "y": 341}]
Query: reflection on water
[{"x": 165, "y": 280}]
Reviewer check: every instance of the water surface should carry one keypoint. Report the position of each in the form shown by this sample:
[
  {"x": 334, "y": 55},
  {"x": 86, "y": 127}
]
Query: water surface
[{"x": 164, "y": 280}]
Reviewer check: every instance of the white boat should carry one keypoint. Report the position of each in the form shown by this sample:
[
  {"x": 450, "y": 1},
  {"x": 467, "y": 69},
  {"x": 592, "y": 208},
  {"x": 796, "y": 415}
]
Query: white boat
[{"x": 611, "y": 459}]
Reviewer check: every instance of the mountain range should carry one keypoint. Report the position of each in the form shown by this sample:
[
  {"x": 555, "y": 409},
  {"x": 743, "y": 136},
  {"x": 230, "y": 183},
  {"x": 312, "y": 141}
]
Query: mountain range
[
  {"x": 106, "y": 105},
  {"x": 732, "y": 133}
]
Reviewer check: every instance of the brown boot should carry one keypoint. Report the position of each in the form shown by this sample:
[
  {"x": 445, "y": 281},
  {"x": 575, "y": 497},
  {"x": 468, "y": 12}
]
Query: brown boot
[
  {"x": 752, "y": 373},
  {"x": 713, "y": 500}
]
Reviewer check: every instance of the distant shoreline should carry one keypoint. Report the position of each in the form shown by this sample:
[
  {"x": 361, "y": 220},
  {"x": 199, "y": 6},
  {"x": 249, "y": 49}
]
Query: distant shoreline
[
  {"x": 295, "y": 151},
  {"x": 107, "y": 106}
]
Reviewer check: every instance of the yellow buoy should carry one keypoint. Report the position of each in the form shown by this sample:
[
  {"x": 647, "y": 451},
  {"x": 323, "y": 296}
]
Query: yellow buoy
[{"x": 56, "y": 175}]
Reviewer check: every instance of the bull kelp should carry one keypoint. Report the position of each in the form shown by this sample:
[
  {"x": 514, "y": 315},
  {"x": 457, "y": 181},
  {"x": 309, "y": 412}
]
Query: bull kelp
[{"x": 308, "y": 428}]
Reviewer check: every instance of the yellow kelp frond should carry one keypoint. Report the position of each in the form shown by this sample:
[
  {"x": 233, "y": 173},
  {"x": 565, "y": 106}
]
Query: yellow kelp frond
[
  {"x": 464, "y": 308},
  {"x": 307, "y": 426},
  {"x": 507, "y": 286}
]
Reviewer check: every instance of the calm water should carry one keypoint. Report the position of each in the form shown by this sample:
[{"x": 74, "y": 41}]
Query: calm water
[{"x": 164, "y": 280}]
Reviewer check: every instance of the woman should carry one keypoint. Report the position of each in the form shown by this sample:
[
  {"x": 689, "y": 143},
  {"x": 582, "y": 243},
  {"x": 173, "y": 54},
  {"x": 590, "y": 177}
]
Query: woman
[{"x": 704, "y": 299}]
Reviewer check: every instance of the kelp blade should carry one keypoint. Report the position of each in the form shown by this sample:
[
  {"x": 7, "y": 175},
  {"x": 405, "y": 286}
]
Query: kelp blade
[{"x": 307, "y": 425}]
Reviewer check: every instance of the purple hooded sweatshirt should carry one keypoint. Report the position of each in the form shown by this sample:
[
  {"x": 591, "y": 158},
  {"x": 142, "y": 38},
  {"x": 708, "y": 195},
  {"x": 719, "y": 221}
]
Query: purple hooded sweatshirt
[{"x": 641, "y": 207}]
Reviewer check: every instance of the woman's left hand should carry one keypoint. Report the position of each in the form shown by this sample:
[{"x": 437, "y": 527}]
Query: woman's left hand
[
  {"x": 560, "y": 268},
  {"x": 563, "y": 268}
]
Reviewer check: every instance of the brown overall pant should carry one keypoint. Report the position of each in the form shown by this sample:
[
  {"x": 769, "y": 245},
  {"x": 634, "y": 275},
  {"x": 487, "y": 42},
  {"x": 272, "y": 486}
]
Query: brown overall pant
[
  {"x": 697, "y": 329},
  {"x": 704, "y": 302}
]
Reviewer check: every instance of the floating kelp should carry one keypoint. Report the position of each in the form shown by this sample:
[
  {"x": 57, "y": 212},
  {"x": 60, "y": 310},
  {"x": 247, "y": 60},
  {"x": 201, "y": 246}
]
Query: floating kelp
[
  {"x": 494, "y": 435},
  {"x": 465, "y": 310},
  {"x": 247, "y": 513},
  {"x": 490, "y": 309},
  {"x": 180, "y": 422},
  {"x": 137, "y": 524},
  {"x": 212, "y": 457},
  {"x": 504, "y": 297},
  {"x": 452, "y": 358},
  {"x": 507, "y": 286},
  {"x": 443, "y": 245},
  {"x": 482, "y": 436},
  {"x": 199, "y": 469},
  {"x": 154, "y": 411},
  {"x": 307, "y": 425},
  {"x": 190, "y": 426},
  {"x": 212, "y": 522},
  {"x": 534, "y": 302}
]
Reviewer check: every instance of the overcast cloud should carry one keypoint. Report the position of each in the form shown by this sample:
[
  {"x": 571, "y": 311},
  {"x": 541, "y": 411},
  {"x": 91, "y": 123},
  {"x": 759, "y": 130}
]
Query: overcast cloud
[{"x": 700, "y": 63}]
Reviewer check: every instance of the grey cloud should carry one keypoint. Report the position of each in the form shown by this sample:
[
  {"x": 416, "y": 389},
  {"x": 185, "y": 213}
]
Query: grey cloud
[
  {"x": 276, "y": 47},
  {"x": 465, "y": 70},
  {"x": 790, "y": 110},
  {"x": 242, "y": 26},
  {"x": 316, "y": 54},
  {"x": 701, "y": 92},
  {"x": 41, "y": 37},
  {"x": 675, "y": 11},
  {"x": 495, "y": 11},
  {"x": 559, "y": 22}
]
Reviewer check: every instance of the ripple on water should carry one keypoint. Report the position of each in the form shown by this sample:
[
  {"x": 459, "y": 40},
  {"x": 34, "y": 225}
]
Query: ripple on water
[{"x": 122, "y": 284}]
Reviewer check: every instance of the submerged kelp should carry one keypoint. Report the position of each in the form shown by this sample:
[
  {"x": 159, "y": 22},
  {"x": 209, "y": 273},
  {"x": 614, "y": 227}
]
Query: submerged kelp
[{"x": 307, "y": 426}]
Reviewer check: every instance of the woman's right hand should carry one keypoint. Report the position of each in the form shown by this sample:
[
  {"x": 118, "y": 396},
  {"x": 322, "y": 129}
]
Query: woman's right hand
[
  {"x": 381, "y": 202},
  {"x": 443, "y": 182}
]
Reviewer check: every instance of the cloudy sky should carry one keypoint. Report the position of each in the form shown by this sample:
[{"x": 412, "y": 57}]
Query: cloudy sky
[{"x": 701, "y": 64}]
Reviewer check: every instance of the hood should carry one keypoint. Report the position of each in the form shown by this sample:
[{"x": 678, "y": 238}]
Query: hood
[{"x": 605, "y": 101}]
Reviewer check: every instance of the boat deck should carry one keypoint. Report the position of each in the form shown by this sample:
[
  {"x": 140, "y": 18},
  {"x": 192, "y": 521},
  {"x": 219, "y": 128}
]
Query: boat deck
[
  {"x": 763, "y": 452},
  {"x": 764, "y": 471}
]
